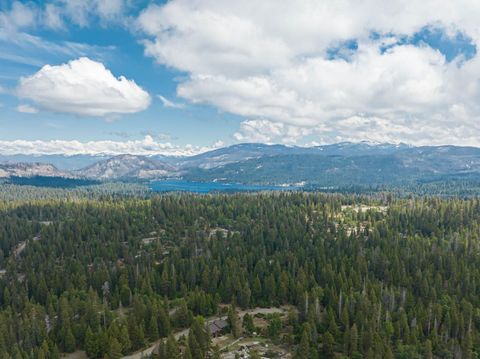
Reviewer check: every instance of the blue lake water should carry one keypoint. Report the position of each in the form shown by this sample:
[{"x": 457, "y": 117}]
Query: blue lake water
[{"x": 206, "y": 187}]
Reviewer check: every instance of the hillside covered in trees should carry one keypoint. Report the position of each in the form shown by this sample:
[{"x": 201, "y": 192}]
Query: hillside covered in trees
[{"x": 361, "y": 277}]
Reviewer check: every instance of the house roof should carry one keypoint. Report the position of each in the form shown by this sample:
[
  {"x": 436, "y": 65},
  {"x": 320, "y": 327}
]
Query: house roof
[{"x": 217, "y": 325}]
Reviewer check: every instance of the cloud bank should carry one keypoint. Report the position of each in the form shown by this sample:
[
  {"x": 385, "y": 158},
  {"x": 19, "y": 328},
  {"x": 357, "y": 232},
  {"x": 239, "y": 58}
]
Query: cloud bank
[
  {"x": 146, "y": 146},
  {"x": 83, "y": 87},
  {"x": 336, "y": 70}
]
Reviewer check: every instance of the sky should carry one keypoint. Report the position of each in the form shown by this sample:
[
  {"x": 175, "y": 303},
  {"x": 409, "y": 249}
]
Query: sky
[{"x": 184, "y": 76}]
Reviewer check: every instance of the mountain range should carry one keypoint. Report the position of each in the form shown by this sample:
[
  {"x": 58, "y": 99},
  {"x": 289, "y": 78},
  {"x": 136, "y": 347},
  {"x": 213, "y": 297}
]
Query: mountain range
[{"x": 330, "y": 165}]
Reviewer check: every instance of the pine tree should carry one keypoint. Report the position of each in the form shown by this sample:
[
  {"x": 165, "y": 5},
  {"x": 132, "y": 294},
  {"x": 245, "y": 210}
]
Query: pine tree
[
  {"x": 69, "y": 341},
  {"x": 172, "y": 350},
  {"x": 328, "y": 346},
  {"x": 164, "y": 327},
  {"x": 248, "y": 325},
  {"x": 274, "y": 326},
  {"x": 389, "y": 354},
  {"x": 103, "y": 342},
  {"x": 41, "y": 354},
  {"x": 152, "y": 329},
  {"x": 115, "y": 350},
  {"x": 124, "y": 339},
  {"x": 198, "y": 339},
  {"x": 91, "y": 346},
  {"x": 234, "y": 321},
  {"x": 427, "y": 351},
  {"x": 54, "y": 352},
  {"x": 467, "y": 346},
  {"x": 136, "y": 333},
  {"x": 303, "y": 351},
  {"x": 353, "y": 339}
]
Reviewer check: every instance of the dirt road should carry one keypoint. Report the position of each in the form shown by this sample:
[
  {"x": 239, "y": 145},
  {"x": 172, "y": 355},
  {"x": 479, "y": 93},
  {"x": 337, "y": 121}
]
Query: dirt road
[{"x": 146, "y": 352}]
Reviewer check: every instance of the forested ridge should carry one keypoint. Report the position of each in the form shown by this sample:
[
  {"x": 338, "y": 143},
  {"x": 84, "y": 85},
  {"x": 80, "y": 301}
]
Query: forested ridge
[{"x": 369, "y": 277}]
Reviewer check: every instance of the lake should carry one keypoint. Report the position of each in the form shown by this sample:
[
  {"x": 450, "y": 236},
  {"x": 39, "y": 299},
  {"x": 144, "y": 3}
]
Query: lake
[{"x": 206, "y": 187}]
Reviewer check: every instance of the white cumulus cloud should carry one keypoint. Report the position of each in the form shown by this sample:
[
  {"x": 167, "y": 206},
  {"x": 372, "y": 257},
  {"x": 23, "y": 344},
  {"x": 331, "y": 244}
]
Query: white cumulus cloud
[
  {"x": 270, "y": 132},
  {"x": 146, "y": 146},
  {"x": 271, "y": 62},
  {"x": 83, "y": 87}
]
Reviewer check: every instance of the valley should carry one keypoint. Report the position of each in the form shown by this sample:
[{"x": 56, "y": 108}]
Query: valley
[
  {"x": 198, "y": 179},
  {"x": 338, "y": 166}
]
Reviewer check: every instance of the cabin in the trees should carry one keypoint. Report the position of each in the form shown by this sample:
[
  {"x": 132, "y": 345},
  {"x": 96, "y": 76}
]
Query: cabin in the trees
[{"x": 217, "y": 327}]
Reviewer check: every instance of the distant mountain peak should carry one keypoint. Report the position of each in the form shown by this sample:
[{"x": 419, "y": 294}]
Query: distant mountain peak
[
  {"x": 127, "y": 166},
  {"x": 24, "y": 169},
  {"x": 254, "y": 162}
]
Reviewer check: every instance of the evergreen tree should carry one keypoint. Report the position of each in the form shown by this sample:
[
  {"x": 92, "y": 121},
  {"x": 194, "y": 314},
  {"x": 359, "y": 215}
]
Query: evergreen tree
[
  {"x": 274, "y": 326},
  {"x": 303, "y": 351},
  {"x": 198, "y": 339},
  {"x": 115, "y": 350},
  {"x": 152, "y": 329},
  {"x": 234, "y": 321},
  {"x": 91, "y": 346},
  {"x": 172, "y": 349},
  {"x": 248, "y": 325},
  {"x": 328, "y": 346},
  {"x": 427, "y": 351},
  {"x": 69, "y": 341}
]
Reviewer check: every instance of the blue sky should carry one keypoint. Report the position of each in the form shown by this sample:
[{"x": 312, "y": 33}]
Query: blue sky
[
  {"x": 234, "y": 73},
  {"x": 120, "y": 51}
]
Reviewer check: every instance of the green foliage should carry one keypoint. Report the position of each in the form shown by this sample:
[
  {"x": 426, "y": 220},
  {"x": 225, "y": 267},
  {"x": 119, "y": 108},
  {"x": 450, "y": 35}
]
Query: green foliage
[
  {"x": 234, "y": 321},
  {"x": 248, "y": 323},
  {"x": 400, "y": 282},
  {"x": 274, "y": 326}
]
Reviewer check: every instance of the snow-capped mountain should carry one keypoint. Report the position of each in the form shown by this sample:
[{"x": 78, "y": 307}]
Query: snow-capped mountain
[{"x": 347, "y": 163}]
